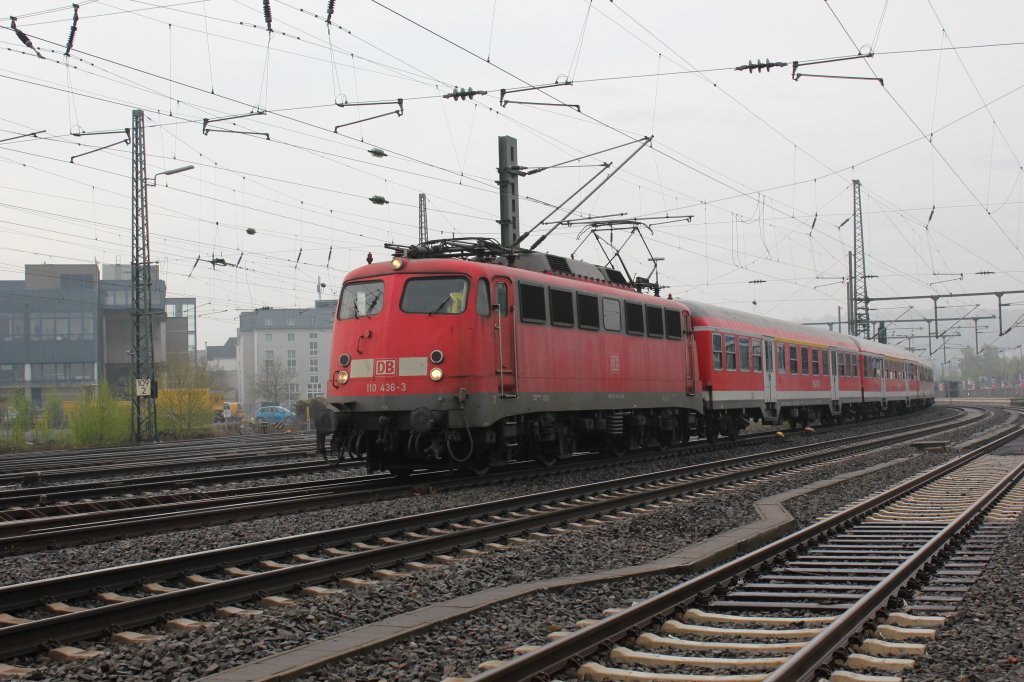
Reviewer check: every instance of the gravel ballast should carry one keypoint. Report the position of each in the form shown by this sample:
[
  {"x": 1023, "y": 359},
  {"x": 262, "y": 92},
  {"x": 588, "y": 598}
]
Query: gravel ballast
[{"x": 639, "y": 539}]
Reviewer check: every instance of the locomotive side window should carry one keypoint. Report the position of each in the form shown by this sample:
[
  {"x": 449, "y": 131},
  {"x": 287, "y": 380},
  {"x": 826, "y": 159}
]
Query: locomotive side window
[
  {"x": 435, "y": 295},
  {"x": 730, "y": 352},
  {"x": 483, "y": 298},
  {"x": 655, "y": 321},
  {"x": 612, "y": 310},
  {"x": 673, "y": 324},
  {"x": 501, "y": 293},
  {"x": 634, "y": 318},
  {"x": 587, "y": 311},
  {"x": 561, "y": 308},
  {"x": 744, "y": 354},
  {"x": 361, "y": 299},
  {"x": 803, "y": 360},
  {"x": 532, "y": 306},
  {"x": 755, "y": 352},
  {"x": 780, "y": 366},
  {"x": 815, "y": 363},
  {"x": 716, "y": 350},
  {"x": 794, "y": 366}
]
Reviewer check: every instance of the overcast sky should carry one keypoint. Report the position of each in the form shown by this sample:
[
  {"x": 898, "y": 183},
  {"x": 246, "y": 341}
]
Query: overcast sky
[{"x": 763, "y": 162}]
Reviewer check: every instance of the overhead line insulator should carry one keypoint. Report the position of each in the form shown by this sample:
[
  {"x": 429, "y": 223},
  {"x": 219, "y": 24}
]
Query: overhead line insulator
[
  {"x": 266, "y": 15},
  {"x": 766, "y": 65},
  {"x": 463, "y": 93}
]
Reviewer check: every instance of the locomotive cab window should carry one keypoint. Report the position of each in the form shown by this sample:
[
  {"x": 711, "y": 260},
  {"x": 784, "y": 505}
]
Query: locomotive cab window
[
  {"x": 634, "y": 318},
  {"x": 673, "y": 324},
  {"x": 587, "y": 311},
  {"x": 435, "y": 295},
  {"x": 483, "y": 298},
  {"x": 744, "y": 354},
  {"x": 532, "y": 307},
  {"x": 501, "y": 298},
  {"x": 561, "y": 308},
  {"x": 361, "y": 299},
  {"x": 655, "y": 321},
  {"x": 611, "y": 311}
]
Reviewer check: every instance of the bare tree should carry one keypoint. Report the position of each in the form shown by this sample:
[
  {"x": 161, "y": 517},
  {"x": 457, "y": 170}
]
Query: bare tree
[{"x": 273, "y": 384}]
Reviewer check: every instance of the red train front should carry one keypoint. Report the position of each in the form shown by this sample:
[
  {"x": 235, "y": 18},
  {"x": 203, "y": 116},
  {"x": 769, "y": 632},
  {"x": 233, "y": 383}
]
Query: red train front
[{"x": 449, "y": 362}]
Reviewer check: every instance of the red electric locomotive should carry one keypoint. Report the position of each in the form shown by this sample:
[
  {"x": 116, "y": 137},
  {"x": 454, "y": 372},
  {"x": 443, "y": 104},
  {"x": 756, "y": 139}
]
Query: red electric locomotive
[
  {"x": 470, "y": 361},
  {"x": 758, "y": 368}
]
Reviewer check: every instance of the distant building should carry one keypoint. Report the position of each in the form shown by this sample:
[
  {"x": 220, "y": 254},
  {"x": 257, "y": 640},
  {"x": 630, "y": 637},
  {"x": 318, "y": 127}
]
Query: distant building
[
  {"x": 292, "y": 344},
  {"x": 64, "y": 327},
  {"x": 222, "y": 361}
]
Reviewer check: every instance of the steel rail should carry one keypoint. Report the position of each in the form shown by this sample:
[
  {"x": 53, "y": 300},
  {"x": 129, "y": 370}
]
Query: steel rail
[
  {"x": 818, "y": 653},
  {"x": 24, "y": 638},
  {"x": 48, "y": 533},
  {"x": 550, "y": 658}
]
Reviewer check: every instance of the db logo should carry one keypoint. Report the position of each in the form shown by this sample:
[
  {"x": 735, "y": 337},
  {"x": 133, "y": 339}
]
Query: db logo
[
  {"x": 615, "y": 364},
  {"x": 387, "y": 367}
]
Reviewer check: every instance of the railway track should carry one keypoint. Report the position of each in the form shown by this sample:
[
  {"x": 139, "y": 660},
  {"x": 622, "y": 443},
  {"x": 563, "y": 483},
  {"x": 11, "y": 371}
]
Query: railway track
[
  {"x": 106, "y": 600},
  {"x": 32, "y": 468},
  {"x": 855, "y": 593},
  {"x": 33, "y": 528}
]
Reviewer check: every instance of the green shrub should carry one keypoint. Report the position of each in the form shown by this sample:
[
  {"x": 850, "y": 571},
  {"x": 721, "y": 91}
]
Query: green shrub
[{"x": 100, "y": 419}]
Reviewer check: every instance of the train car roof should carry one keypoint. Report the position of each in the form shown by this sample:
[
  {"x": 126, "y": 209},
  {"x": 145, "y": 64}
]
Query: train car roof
[{"x": 699, "y": 309}]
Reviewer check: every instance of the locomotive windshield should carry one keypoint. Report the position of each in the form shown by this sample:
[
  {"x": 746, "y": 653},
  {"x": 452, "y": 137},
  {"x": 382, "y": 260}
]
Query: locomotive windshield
[
  {"x": 435, "y": 295},
  {"x": 361, "y": 299}
]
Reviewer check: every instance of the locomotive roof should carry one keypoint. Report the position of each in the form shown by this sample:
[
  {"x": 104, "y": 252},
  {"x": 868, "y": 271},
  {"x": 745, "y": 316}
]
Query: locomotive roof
[{"x": 700, "y": 309}]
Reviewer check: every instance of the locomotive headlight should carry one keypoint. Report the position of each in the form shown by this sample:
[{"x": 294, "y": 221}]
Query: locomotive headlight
[
  {"x": 436, "y": 373},
  {"x": 341, "y": 378},
  {"x": 397, "y": 263}
]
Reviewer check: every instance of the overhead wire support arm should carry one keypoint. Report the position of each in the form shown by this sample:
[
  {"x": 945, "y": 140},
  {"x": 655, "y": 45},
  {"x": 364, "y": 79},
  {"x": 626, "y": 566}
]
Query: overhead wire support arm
[
  {"x": 816, "y": 62},
  {"x": 36, "y": 134},
  {"x": 207, "y": 121},
  {"x": 127, "y": 140},
  {"x": 507, "y": 91},
  {"x": 397, "y": 112}
]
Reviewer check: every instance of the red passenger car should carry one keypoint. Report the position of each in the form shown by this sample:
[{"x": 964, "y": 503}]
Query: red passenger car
[
  {"x": 758, "y": 368},
  {"x": 445, "y": 362}
]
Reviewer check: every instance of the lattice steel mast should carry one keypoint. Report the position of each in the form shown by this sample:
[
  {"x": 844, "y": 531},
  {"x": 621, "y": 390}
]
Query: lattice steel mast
[
  {"x": 424, "y": 237},
  {"x": 143, "y": 380},
  {"x": 859, "y": 317}
]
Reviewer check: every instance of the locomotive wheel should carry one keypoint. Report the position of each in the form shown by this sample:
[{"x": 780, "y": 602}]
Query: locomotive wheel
[{"x": 733, "y": 429}]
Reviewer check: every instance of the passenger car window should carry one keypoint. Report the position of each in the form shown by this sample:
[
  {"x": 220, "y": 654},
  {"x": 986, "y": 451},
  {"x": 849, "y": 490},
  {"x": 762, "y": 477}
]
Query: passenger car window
[
  {"x": 744, "y": 354},
  {"x": 794, "y": 366},
  {"x": 755, "y": 353},
  {"x": 435, "y": 295},
  {"x": 780, "y": 366},
  {"x": 361, "y": 299},
  {"x": 716, "y": 350},
  {"x": 730, "y": 352},
  {"x": 803, "y": 360}
]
